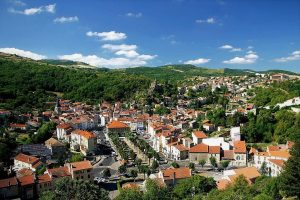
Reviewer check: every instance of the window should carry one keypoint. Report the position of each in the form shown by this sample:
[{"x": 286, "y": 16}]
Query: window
[{"x": 238, "y": 158}]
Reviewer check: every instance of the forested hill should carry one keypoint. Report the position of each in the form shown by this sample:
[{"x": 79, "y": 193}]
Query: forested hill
[{"x": 25, "y": 83}]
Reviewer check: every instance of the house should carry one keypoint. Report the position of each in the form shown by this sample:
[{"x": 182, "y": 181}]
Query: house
[
  {"x": 27, "y": 189},
  {"x": 81, "y": 170},
  {"x": 208, "y": 127},
  {"x": 250, "y": 174},
  {"x": 179, "y": 152},
  {"x": 204, "y": 152},
  {"x": 83, "y": 141},
  {"x": 55, "y": 146},
  {"x": 171, "y": 176},
  {"x": 25, "y": 161},
  {"x": 17, "y": 127},
  {"x": 63, "y": 131},
  {"x": 9, "y": 188},
  {"x": 240, "y": 154},
  {"x": 58, "y": 172},
  {"x": 118, "y": 127},
  {"x": 235, "y": 133},
  {"x": 279, "y": 77},
  {"x": 198, "y": 136},
  {"x": 216, "y": 141},
  {"x": 44, "y": 183}
]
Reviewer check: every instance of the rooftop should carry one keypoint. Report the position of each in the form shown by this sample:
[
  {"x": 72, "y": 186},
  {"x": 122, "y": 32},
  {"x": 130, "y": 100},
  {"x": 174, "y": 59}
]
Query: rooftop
[
  {"x": 180, "y": 173},
  {"x": 117, "y": 124}
]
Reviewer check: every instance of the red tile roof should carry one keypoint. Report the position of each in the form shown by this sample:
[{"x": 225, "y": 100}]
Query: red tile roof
[
  {"x": 199, "y": 148},
  {"x": 273, "y": 148},
  {"x": 222, "y": 184},
  {"x": 8, "y": 182},
  {"x": 63, "y": 126},
  {"x": 27, "y": 159},
  {"x": 44, "y": 178},
  {"x": 239, "y": 147},
  {"x": 214, "y": 149},
  {"x": 199, "y": 134},
  {"x": 117, "y": 124},
  {"x": 85, "y": 134},
  {"x": 181, "y": 147},
  {"x": 14, "y": 125},
  {"x": 24, "y": 172},
  {"x": 180, "y": 173},
  {"x": 26, "y": 180},
  {"x": 59, "y": 172},
  {"x": 277, "y": 162},
  {"x": 82, "y": 165}
]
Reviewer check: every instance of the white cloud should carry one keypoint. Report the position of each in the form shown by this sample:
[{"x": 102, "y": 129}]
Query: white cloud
[
  {"x": 107, "y": 36},
  {"x": 226, "y": 46},
  {"x": 66, "y": 19},
  {"x": 250, "y": 47},
  {"x": 129, "y": 54},
  {"x": 231, "y": 48},
  {"x": 136, "y": 15},
  {"x": 197, "y": 61},
  {"x": 18, "y": 3},
  {"x": 114, "y": 47},
  {"x": 111, "y": 63},
  {"x": 294, "y": 56},
  {"x": 19, "y": 52},
  {"x": 210, "y": 20},
  {"x": 32, "y": 11},
  {"x": 249, "y": 58}
]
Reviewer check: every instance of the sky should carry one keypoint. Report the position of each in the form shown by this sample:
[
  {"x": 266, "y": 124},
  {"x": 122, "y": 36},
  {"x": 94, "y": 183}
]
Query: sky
[{"x": 247, "y": 34}]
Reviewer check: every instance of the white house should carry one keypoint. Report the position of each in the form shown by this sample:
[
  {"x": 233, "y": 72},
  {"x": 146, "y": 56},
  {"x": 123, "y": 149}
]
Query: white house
[
  {"x": 216, "y": 141},
  {"x": 235, "y": 133}
]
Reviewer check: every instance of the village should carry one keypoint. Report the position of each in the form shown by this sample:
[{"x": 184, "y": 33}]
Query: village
[{"x": 121, "y": 145}]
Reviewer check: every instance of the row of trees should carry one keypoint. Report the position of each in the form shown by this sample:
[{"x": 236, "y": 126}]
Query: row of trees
[{"x": 143, "y": 146}]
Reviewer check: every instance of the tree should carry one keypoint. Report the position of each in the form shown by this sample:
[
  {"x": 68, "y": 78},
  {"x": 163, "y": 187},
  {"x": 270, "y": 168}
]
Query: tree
[
  {"x": 175, "y": 165},
  {"x": 106, "y": 173},
  {"x": 134, "y": 174},
  {"x": 122, "y": 169},
  {"x": 213, "y": 162},
  {"x": 289, "y": 178},
  {"x": 194, "y": 186},
  {"x": 129, "y": 194},
  {"x": 67, "y": 188},
  {"x": 77, "y": 157},
  {"x": 225, "y": 163},
  {"x": 138, "y": 161},
  {"x": 192, "y": 166},
  {"x": 263, "y": 168},
  {"x": 44, "y": 133},
  {"x": 132, "y": 154},
  {"x": 154, "y": 165},
  {"x": 155, "y": 191},
  {"x": 202, "y": 162}
]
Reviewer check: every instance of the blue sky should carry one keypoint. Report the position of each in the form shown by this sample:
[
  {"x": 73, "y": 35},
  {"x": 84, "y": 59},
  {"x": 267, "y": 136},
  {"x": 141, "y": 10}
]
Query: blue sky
[{"x": 255, "y": 34}]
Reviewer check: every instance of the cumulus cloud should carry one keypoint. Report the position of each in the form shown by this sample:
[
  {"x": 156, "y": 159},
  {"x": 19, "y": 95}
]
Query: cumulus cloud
[
  {"x": 18, "y": 3},
  {"x": 198, "y": 61},
  {"x": 210, "y": 20},
  {"x": 66, "y": 19},
  {"x": 107, "y": 36},
  {"x": 231, "y": 48},
  {"x": 103, "y": 62},
  {"x": 114, "y": 47},
  {"x": 293, "y": 56},
  {"x": 136, "y": 15},
  {"x": 249, "y": 58},
  {"x": 32, "y": 11},
  {"x": 19, "y": 52}
]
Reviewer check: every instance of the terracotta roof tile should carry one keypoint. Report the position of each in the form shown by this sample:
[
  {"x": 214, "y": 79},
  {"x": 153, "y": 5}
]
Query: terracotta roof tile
[
  {"x": 59, "y": 172},
  {"x": 199, "y": 148},
  {"x": 277, "y": 162},
  {"x": 181, "y": 147},
  {"x": 26, "y": 180},
  {"x": 249, "y": 172},
  {"x": 214, "y": 149},
  {"x": 81, "y": 165},
  {"x": 86, "y": 134},
  {"x": 199, "y": 134},
  {"x": 8, "y": 182},
  {"x": 180, "y": 173},
  {"x": 239, "y": 147},
  {"x": 27, "y": 159},
  {"x": 44, "y": 178},
  {"x": 222, "y": 184},
  {"x": 63, "y": 126},
  {"x": 228, "y": 154},
  {"x": 280, "y": 154},
  {"x": 117, "y": 124}
]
